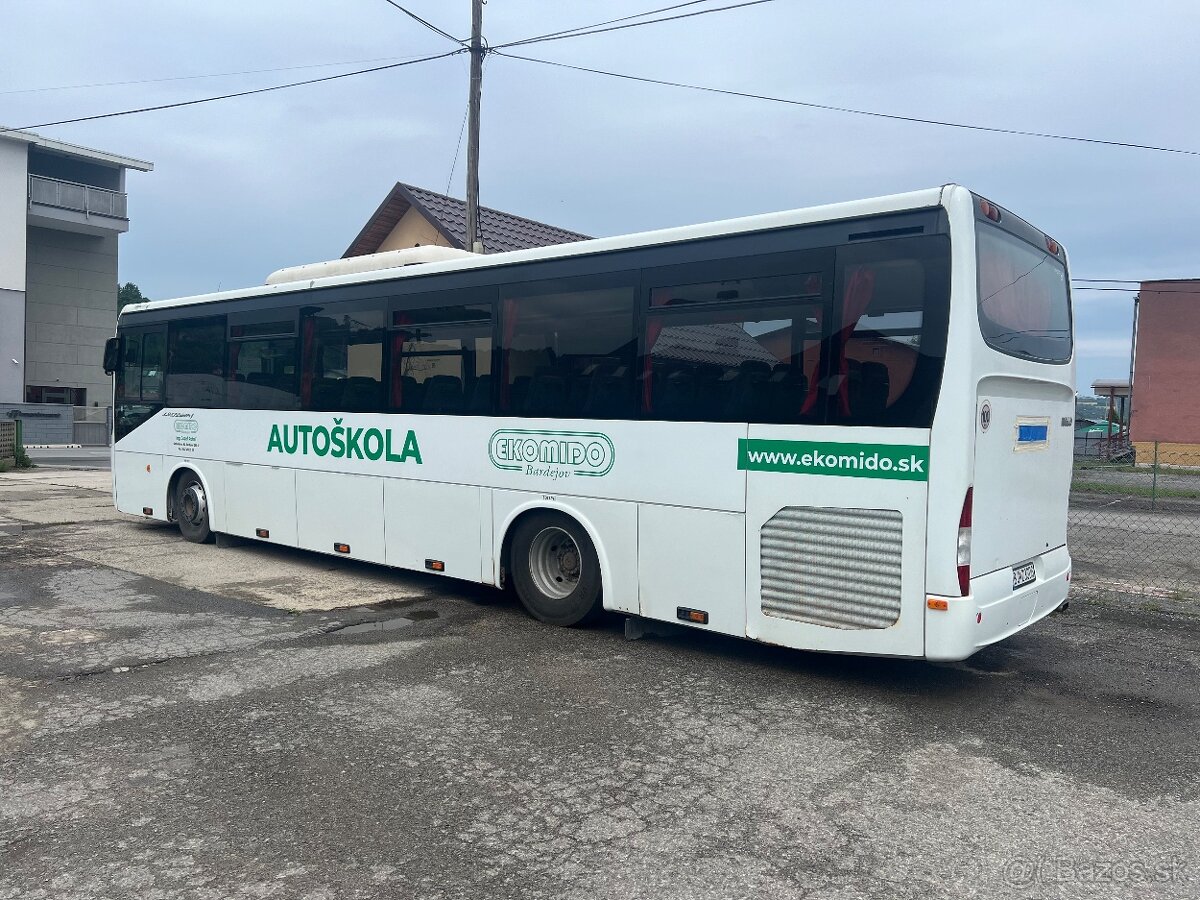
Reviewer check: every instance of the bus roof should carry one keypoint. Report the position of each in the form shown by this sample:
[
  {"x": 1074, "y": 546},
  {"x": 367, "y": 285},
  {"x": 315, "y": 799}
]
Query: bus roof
[{"x": 892, "y": 203}]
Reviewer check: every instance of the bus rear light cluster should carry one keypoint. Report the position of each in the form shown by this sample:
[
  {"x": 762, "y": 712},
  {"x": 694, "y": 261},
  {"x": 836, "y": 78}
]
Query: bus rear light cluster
[
  {"x": 989, "y": 209},
  {"x": 964, "y": 543}
]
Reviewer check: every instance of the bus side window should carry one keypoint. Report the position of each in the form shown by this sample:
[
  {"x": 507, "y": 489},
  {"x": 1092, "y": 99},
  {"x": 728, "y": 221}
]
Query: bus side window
[
  {"x": 153, "y": 357},
  {"x": 343, "y": 357},
  {"x": 129, "y": 386},
  {"x": 196, "y": 363},
  {"x": 746, "y": 348},
  {"x": 888, "y": 353},
  {"x": 569, "y": 347}
]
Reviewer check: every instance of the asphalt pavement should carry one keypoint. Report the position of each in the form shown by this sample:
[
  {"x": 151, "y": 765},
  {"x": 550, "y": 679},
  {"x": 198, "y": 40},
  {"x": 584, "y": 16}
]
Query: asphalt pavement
[
  {"x": 163, "y": 740},
  {"x": 72, "y": 457}
]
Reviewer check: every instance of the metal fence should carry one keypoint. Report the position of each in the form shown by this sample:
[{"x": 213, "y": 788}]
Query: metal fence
[
  {"x": 83, "y": 198},
  {"x": 92, "y": 426},
  {"x": 8, "y": 441},
  {"x": 1134, "y": 521}
]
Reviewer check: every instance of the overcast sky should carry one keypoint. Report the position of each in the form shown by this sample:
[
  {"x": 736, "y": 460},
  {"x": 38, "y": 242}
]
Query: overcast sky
[{"x": 242, "y": 187}]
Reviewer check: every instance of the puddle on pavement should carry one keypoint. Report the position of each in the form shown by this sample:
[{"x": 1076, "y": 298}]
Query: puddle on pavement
[{"x": 416, "y": 615}]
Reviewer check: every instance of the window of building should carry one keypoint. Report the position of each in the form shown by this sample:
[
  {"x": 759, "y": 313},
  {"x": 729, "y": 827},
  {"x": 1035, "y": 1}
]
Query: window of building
[
  {"x": 568, "y": 347},
  {"x": 54, "y": 393}
]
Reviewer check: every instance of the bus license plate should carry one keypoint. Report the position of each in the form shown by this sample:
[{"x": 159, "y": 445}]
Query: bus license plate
[{"x": 1023, "y": 575}]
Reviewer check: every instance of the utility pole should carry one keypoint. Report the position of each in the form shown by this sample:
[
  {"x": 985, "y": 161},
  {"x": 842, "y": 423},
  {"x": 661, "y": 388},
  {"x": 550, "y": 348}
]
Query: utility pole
[{"x": 473, "y": 242}]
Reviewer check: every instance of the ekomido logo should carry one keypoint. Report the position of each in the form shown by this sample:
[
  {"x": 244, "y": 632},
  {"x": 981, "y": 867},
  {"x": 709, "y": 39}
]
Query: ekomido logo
[
  {"x": 552, "y": 454},
  {"x": 904, "y": 462}
]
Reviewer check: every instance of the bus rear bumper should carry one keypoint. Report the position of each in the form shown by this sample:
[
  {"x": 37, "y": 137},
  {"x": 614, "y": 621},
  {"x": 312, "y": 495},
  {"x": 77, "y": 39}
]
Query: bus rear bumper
[{"x": 994, "y": 611}]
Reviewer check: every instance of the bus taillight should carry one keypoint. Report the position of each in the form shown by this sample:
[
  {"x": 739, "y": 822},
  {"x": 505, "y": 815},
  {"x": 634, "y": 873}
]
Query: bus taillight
[{"x": 964, "y": 544}]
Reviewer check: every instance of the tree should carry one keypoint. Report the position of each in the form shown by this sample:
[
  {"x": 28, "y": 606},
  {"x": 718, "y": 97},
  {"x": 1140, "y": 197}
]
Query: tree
[{"x": 129, "y": 293}]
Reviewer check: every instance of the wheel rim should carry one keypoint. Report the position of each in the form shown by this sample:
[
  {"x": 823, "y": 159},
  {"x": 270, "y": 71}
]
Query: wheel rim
[
  {"x": 192, "y": 504},
  {"x": 555, "y": 562}
]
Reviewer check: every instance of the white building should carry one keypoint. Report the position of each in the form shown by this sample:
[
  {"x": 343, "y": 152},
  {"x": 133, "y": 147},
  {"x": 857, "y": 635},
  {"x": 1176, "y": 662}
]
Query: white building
[{"x": 62, "y": 208}]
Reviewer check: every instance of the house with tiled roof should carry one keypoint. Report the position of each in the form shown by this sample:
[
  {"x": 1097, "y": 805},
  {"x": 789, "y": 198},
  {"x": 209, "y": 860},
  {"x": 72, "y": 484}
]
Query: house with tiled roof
[{"x": 414, "y": 217}]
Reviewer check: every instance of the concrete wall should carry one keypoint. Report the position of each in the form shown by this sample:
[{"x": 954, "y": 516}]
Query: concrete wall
[
  {"x": 13, "y": 192},
  {"x": 413, "y": 230},
  {"x": 1167, "y": 366},
  {"x": 71, "y": 310},
  {"x": 41, "y": 423}
]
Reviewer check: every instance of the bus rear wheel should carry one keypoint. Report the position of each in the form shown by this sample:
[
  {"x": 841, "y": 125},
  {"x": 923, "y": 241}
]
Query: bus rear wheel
[
  {"x": 555, "y": 569},
  {"x": 191, "y": 509}
]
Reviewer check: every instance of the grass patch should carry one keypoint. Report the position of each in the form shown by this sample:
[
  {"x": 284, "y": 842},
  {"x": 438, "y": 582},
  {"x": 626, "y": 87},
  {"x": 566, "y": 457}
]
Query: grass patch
[{"x": 1133, "y": 490}]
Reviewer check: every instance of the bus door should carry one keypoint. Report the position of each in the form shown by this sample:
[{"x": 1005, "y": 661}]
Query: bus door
[{"x": 836, "y": 503}]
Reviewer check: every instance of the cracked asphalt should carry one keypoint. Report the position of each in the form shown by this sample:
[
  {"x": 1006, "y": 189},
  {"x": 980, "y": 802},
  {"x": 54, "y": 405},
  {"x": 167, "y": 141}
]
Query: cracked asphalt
[{"x": 184, "y": 734}]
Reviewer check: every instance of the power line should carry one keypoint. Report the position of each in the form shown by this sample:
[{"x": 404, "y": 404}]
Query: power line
[
  {"x": 1108, "y": 280},
  {"x": 429, "y": 25},
  {"x": 1193, "y": 292},
  {"x": 846, "y": 109},
  {"x": 595, "y": 29},
  {"x": 570, "y": 31},
  {"x": 276, "y": 87},
  {"x": 457, "y": 148},
  {"x": 100, "y": 84}
]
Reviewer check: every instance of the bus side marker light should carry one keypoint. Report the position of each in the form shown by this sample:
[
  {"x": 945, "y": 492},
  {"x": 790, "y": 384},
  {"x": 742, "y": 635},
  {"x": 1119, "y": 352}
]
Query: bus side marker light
[
  {"x": 978, "y": 617},
  {"x": 262, "y": 533},
  {"x": 147, "y": 468},
  {"x": 991, "y": 210},
  {"x": 435, "y": 565},
  {"x": 938, "y": 603},
  {"x": 341, "y": 548},
  {"x": 699, "y": 616},
  {"x": 147, "y": 511}
]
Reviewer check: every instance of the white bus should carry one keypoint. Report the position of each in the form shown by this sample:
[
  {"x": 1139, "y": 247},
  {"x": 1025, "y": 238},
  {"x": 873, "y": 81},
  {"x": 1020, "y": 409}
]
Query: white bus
[{"x": 845, "y": 428}]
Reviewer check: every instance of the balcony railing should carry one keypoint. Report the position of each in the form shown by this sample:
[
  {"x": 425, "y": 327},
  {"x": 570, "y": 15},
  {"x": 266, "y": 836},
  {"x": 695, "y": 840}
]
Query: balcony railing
[{"x": 82, "y": 198}]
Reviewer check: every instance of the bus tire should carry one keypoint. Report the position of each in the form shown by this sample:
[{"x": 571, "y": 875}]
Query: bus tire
[
  {"x": 191, "y": 509},
  {"x": 555, "y": 569}
]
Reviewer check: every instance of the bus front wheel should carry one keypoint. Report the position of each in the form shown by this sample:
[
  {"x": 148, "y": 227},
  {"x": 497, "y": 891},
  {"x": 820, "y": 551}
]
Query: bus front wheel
[
  {"x": 555, "y": 569},
  {"x": 191, "y": 509}
]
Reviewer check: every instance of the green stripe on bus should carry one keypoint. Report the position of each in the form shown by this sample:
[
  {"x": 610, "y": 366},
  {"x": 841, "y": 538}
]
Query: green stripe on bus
[{"x": 904, "y": 462}]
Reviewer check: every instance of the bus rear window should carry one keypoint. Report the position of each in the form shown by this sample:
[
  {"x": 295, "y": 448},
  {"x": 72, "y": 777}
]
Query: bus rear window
[{"x": 1024, "y": 307}]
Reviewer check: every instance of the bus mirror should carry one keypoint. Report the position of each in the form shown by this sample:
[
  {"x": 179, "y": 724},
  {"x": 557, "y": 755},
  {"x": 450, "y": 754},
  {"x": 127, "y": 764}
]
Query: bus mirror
[{"x": 112, "y": 355}]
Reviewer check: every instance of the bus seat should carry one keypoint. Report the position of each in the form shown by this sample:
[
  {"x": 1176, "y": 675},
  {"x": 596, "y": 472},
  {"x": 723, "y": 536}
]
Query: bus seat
[
  {"x": 443, "y": 394},
  {"x": 607, "y": 397},
  {"x": 547, "y": 395},
  {"x": 675, "y": 396},
  {"x": 326, "y": 393},
  {"x": 481, "y": 396},
  {"x": 868, "y": 388},
  {"x": 518, "y": 391},
  {"x": 362, "y": 394}
]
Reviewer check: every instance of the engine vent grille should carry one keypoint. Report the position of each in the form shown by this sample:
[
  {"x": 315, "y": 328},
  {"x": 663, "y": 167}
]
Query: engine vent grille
[{"x": 834, "y": 567}]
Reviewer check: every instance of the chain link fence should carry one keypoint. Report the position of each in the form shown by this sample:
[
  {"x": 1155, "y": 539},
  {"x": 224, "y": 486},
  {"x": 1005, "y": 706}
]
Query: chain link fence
[{"x": 1134, "y": 521}]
